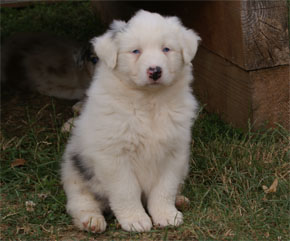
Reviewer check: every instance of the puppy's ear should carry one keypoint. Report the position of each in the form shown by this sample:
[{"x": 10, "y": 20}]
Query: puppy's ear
[
  {"x": 189, "y": 42},
  {"x": 106, "y": 49}
]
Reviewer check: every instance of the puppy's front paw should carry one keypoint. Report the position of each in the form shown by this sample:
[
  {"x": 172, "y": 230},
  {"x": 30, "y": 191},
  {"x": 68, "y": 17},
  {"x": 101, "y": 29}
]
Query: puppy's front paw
[
  {"x": 163, "y": 217},
  {"x": 91, "y": 222},
  {"x": 136, "y": 223}
]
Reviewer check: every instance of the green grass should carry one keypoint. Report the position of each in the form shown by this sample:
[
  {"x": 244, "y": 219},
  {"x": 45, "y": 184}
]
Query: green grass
[
  {"x": 72, "y": 19},
  {"x": 228, "y": 167}
]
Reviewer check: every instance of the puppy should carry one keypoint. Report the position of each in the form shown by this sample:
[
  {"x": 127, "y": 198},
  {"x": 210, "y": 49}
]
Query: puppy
[
  {"x": 48, "y": 64},
  {"x": 129, "y": 149}
]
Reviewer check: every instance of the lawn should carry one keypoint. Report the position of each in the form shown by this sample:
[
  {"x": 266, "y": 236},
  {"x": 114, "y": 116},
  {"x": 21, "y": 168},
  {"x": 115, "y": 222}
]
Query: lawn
[{"x": 238, "y": 183}]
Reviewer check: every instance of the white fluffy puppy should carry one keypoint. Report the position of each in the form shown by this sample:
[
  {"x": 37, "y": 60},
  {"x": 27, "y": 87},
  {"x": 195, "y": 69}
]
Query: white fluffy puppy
[{"x": 129, "y": 149}]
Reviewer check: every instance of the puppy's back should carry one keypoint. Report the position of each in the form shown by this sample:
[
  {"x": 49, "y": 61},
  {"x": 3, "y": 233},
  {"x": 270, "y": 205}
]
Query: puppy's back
[{"x": 45, "y": 63}]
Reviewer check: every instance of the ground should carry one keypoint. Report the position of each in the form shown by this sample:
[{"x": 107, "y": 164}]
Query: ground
[{"x": 238, "y": 184}]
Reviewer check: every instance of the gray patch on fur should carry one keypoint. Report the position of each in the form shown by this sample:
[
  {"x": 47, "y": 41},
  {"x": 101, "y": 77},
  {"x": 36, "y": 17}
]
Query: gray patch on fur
[
  {"x": 102, "y": 199},
  {"x": 80, "y": 166},
  {"x": 117, "y": 27}
]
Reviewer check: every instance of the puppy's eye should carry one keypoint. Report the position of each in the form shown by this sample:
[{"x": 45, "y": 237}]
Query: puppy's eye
[
  {"x": 94, "y": 60},
  {"x": 136, "y": 51},
  {"x": 165, "y": 50}
]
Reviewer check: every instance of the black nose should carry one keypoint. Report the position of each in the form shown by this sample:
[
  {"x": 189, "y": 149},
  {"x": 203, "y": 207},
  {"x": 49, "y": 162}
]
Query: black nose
[{"x": 154, "y": 72}]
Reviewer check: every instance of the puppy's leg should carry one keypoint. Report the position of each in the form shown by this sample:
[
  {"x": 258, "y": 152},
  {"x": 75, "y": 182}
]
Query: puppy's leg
[
  {"x": 82, "y": 205},
  {"x": 125, "y": 200},
  {"x": 161, "y": 200}
]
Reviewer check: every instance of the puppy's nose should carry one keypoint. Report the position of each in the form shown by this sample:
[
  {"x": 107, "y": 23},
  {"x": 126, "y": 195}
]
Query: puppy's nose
[{"x": 154, "y": 72}]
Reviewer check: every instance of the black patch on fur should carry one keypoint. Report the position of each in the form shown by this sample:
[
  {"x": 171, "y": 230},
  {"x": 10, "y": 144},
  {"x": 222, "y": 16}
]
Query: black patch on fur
[
  {"x": 104, "y": 203},
  {"x": 102, "y": 199},
  {"x": 80, "y": 166},
  {"x": 88, "y": 54}
]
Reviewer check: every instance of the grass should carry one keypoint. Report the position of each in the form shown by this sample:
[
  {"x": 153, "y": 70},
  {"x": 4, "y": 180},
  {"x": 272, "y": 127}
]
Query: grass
[
  {"x": 228, "y": 167},
  {"x": 72, "y": 19},
  {"x": 228, "y": 170}
]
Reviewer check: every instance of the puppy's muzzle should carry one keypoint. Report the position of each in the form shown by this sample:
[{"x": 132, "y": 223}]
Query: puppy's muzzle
[{"x": 154, "y": 72}]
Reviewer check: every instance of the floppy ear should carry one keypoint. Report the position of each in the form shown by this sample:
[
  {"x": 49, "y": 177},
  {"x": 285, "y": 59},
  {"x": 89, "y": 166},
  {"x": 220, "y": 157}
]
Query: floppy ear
[
  {"x": 106, "y": 49},
  {"x": 189, "y": 43}
]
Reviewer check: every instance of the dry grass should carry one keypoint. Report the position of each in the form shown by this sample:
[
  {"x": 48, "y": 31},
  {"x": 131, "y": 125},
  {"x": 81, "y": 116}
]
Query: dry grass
[{"x": 228, "y": 171}]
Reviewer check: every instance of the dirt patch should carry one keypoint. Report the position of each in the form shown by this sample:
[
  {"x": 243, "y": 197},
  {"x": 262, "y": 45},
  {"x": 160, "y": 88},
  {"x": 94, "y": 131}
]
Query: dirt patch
[{"x": 20, "y": 111}]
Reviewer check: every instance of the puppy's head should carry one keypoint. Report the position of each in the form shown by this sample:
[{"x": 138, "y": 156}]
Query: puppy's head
[
  {"x": 149, "y": 50},
  {"x": 86, "y": 58}
]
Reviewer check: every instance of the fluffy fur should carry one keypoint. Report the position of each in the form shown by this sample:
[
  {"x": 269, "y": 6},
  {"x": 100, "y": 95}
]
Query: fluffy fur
[
  {"x": 129, "y": 149},
  {"x": 47, "y": 64}
]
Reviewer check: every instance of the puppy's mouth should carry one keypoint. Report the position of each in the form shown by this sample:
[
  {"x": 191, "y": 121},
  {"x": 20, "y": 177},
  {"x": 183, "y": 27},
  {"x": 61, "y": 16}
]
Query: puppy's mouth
[{"x": 155, "y": 82}]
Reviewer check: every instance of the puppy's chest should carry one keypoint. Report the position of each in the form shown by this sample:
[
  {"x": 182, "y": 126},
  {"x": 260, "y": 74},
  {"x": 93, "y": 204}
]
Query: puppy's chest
[{"x": 152, "y": 131}]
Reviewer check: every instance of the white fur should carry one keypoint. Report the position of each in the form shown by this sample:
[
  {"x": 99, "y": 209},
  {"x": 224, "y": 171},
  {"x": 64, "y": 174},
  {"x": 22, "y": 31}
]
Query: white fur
[{"x": 134, "y": 135}]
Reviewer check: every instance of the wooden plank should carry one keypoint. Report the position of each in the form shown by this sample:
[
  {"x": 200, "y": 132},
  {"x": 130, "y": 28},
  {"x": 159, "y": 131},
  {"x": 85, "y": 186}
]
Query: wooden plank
[
  {"x": 219, "y": 25},
  {"x": 270, "y": 96},
  {"x": 224, "y": 88},
  {"x": 265, "y": 33},
  {"x": 250, "y": 34},
  {"x": 239, "y": 96},
  {"x": 23, "y": 3},
  {"x": 15, "y": 4}
]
